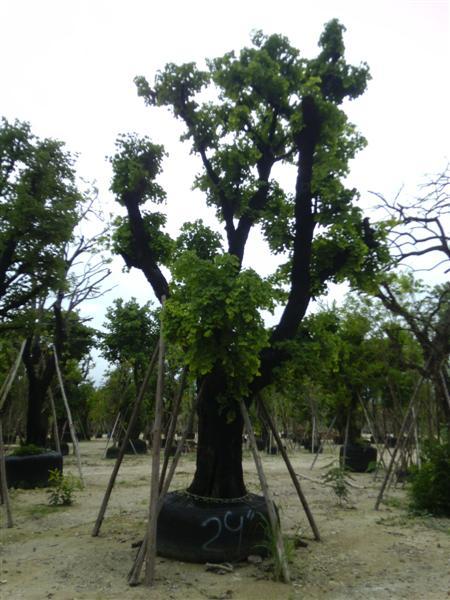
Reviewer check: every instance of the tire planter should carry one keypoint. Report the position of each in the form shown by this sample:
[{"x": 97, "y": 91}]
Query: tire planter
[
  {"x": 31, "y": 471},
  {"x": 358, "y": 458},
  {"x": 199, "y": 530}
]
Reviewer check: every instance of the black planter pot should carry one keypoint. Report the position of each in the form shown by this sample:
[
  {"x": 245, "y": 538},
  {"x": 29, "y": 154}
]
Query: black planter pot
[
  {"x": 65, "y": 448},
  {"x": 139, "y": 445},
  {"x": 260, "y": 444},
  {"x": 112, "y": 452},
  {"x": 33, "y": 470},
  {"x": 200, "y": 530},
  {"x": 358, "y": 457}
]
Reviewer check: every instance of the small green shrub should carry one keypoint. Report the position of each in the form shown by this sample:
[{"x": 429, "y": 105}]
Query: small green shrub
[
  {"x": 338, "y": 479},
  {"x": 430, "y": 485},
  {"x": 28, "y": 450},
  {"x": 63, "y": 488}
]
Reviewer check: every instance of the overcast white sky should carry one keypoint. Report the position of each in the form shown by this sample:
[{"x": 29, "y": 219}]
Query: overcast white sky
[{"x": 67, "y": 67}]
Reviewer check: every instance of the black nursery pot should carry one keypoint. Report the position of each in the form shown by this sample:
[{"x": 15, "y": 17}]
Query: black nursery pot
[
  {"x": 33, "y": 470},
  {"x": 65, "y": 448},
  {"x": 358, "y": 457},
  {"x": 200, "y": 530}
]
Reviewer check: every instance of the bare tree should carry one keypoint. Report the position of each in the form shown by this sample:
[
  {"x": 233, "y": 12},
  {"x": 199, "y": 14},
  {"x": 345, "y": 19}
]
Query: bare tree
[{"x": 421, "y": 226}]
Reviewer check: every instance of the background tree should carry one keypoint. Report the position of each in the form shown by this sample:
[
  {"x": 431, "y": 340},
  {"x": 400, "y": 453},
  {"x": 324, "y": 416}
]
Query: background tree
[
  {"x": 38, "y": 201},
  {"x": 132, "y": 333},
  {"x": 54, "y": 320},
  {"x": 269, "y": 107}
]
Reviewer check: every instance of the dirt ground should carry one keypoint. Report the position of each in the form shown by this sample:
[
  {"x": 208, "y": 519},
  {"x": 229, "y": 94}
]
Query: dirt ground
[{"x": 364, "y": 553}]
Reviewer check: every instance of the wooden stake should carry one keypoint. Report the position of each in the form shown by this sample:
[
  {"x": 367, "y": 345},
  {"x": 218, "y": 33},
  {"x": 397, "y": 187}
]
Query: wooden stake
[
  {"x": 73, "y": 435},
  {"x": 3, "y": 482},
  {"x": 55, "y": 422},
  {"x": 268, "y": 418},
  {"x": 399, "y": 441},
  {"x": 444, "y": 387},
  {"x": 150, "y": 559},
  {"x": 11, "y": 376},
  {"x": 133, "y": 576},
  {"x": 274, "y": 524},
  {"x": 133, "y": 418},
  {"x": 172, "y": 426},
  {"x": 322, "y": 441}
]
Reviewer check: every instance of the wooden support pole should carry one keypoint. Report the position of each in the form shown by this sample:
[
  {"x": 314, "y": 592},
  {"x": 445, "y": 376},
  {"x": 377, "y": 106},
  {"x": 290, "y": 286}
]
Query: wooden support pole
[
  {"x": 444, "y": 386},
  {"x": 55, "y": 422},
  {"x": 150, "y": 558},
  {"x": 133, "y": 576},
  {"x": 3, "y": 482},
  {"x": 133, "y": 418},
  {"x": 267, "y": 417},
  {"x": 399, "y": 442},
  {"x": 173, "y": 425},
  {"x": 73, "y": 435},
  {"x": 319, "y": 448},
  {"x": 274, "y": 524},
  {"x": 111, "y": 435},
  {"x": 11, "y": 376}
]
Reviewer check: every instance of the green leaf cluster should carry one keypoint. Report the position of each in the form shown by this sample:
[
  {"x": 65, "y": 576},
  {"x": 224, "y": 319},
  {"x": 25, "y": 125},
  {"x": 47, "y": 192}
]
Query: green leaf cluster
[
  {"x": 136, "y": 164},
  {"x": 38, "y": 212},
  {"x": 213, "y": 314}
]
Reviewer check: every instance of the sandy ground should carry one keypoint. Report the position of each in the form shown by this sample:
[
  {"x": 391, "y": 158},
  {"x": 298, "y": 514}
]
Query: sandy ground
[{"x": 364, "y": 553}]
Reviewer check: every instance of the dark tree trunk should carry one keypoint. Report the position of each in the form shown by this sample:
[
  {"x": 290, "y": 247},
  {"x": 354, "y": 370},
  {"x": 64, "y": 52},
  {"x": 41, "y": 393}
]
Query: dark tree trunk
[
  {"x": 219, "y": 452},
  {"x": 37, "y": 418}
]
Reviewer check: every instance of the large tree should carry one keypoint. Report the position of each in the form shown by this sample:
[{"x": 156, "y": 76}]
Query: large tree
[
  {"x": 38, "y": 201},
  {"x": 245, "y": 116}
]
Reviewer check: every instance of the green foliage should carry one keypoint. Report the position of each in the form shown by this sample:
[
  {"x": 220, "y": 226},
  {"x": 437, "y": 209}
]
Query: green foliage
[
  {"x": 430, "y": 485},
  {"x": 338, "y": 478},
  {"x": 162, "y": 245},
  {"x": 28, "y": 450},
  {"x": 62, "y": 488},
  {"x": 136, "y": 164},
  {"x": 197, "y": 237},
  {"x": 38, "y": 200},
  {"x": 213, "y": 314},
  {"x": 131, "y": 334}
]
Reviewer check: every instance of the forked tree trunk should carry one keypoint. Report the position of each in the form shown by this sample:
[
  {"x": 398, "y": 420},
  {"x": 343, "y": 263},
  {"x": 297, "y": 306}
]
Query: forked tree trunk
[{"x": 219, "y": 451}]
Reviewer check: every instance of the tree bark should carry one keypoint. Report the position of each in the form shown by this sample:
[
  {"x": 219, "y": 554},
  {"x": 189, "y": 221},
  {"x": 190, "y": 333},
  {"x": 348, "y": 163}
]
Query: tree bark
[{"x": 219, "y": 471}]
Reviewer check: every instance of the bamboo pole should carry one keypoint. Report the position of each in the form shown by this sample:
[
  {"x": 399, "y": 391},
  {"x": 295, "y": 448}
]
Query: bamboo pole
[
  {"x": 133, "y": 576},
  {"x": 416, "y": 438},
  {"x": 268, "y": 418},
  {"x": 399, "y": 442},
  {"x": 3, "y": 482},
  {"x": 444, "y": 387},
  {"x": 319, "y": 448},
  {"x": 69, "y": 416},
  {"x": 276, "y": 530},
  {"x": 172, "y": 425},
  {"x": 133, "y": 418},
  {"x": 55, "y": 422},
  {"x": 150, "y": 557},
  {"x": 11, "y": 376},
  {"x": 111, "y": 435}
]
